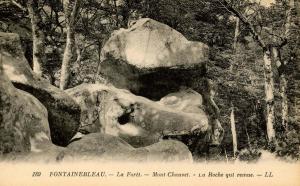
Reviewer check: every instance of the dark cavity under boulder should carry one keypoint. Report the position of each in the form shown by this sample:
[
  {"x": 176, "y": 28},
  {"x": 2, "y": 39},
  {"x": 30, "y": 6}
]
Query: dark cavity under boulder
[{"x": 153, "y": 83}]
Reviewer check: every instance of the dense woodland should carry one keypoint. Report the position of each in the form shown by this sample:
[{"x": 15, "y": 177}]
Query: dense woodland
[{"x": 253, "y": 62}]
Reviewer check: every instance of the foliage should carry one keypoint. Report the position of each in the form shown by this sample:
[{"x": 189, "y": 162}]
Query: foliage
[
  {"x": 249, "y": 155},
  {"x": 289, "y": 143}
]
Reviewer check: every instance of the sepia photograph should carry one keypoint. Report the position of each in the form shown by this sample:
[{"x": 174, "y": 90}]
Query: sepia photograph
[{"x": 150, "y": 92}]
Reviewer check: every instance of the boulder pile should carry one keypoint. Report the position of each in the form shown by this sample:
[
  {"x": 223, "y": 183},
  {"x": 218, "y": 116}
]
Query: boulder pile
[
  {"x": 151, "y": 71},
  {"x": 152, "y": 59},
  {"x": 138, "y": 120}
]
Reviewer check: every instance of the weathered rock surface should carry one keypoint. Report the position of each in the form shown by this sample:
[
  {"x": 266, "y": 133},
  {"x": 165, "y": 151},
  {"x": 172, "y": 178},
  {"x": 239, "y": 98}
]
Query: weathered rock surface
[
  {"x": 48, "y": 153},
  {"x": 169, "y": 150},
  {"x": 149, "y": 44},
  {"x": 190, "y": 101},
  {"x": 186, "y": 100},
  {"x": 151, "y": 59},
  {"x": 63, "y": 112},
  {"x": 137, "y": 120},
  {"x": 104, "y": 147},
  {"x": 24, "y": 124},
  {"x": 101, "y": 146}
]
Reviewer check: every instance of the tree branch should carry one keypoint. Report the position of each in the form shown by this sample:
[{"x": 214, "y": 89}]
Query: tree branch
[
  {"x": 14, "y": 3},
  {"x": 244, "y": 20},
  {"x": 288, "y": 22}
]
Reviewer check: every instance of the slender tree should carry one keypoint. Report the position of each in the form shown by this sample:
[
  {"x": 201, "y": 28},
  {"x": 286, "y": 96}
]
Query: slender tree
[
  {"x": 268, "y": 73},
  {"x": 233, "y": 131},
  {"x": 271, "y": 55},
  {"x": 235, "y": 39},
  {"x": 38, "y": 37},
  {"x": 281, "y": 65},
  {"x": 71, "y": 10},
  {"x": 232, "y": 116}
]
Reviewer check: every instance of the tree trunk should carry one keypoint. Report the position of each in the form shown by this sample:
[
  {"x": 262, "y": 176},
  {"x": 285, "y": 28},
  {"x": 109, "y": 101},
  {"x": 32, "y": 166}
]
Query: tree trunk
[
  {"x": 293, "y": 18},
  {"x": 233, "y": 132},
  {"x": 100, "y": 43},
  {"x": 71, "y": 9},
  {"x": 288, "y": 22},
  {"x": 281, "y": 67},
  {"x": 269, "y": 94},
  {"x": 283, "y": 85},
  {"x": 38, "y": 38},
  {"x": 236, "y": 34},
  {"x": 125, "y": 18},
  {"x": 117, "y": 13},
  {"x": 68, "y": 55},
  {"x": 284, "y": 101},
  {"x": 295, "y": 92},
  {"x": 79, "y": 52}
]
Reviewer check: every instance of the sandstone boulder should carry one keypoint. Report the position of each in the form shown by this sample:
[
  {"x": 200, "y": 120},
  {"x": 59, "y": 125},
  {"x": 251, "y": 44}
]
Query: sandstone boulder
[
  {"x": 151, "y": 59},
  {"x": 137, "y": 120},
  {"x": 24, "y": 124},
  {"x": 48, "y": 153},
  {"x": 104, "y": 147},
  {"x": 101, "y": 146},
  {"x": 169, "y": 151},
  {"x": 150, "y": 44},
  {"x": 63, "y": 112},
  {"x": 190, "y": 101}
]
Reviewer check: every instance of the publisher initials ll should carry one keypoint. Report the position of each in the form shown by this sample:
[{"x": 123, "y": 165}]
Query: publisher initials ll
[{"x": 268, "y": 174}]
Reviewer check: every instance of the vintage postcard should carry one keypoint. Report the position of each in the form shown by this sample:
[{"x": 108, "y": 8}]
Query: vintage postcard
[{"x": 150, "y": 92}]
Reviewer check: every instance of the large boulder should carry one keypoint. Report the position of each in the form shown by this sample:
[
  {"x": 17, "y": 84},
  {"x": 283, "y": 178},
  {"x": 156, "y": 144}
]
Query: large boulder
[
  {"x": 104, "y": 147},
  {"x": 138, "y": 120},
  {"x": 63, "y": 112},
  {"x": 150, "y": 44},
  {"x": 151, "y": 59},
  {"x": 24, "y": 124},
  {"x": 100, "y": 146},
  {"x": 168, "y": 151}
]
